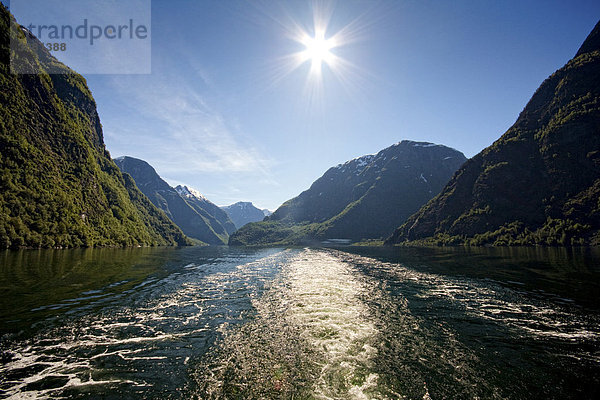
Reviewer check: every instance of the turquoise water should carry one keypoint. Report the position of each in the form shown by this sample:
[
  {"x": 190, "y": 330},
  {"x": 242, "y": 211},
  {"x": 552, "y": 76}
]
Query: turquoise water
[{"x": 348, "y": 323}]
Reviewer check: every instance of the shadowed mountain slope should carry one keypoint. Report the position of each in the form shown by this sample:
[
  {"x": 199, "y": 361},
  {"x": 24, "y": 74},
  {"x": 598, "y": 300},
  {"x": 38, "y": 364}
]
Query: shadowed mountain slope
[
  {"x": 539, "y": 183},
  {"x": 197, "y": 217},
  {"x": 364, "y": 198}
]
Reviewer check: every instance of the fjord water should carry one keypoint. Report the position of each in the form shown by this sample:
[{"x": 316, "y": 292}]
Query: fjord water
[{"x": 348, "y": 323}]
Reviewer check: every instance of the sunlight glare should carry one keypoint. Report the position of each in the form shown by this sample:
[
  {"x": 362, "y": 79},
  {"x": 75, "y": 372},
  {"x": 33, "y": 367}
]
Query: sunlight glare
[
  {"x": 318, "y": 51},
  {"x": 319, "y": 46}
]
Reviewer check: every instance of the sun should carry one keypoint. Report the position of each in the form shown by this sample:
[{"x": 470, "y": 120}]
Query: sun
[
  {"x": 318, "y": 50},
  {"x": 324, "y": 46}
]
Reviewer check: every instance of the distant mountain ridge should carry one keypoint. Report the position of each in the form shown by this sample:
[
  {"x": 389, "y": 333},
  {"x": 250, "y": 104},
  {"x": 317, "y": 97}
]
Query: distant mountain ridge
[
  {"x": 243, "y": 212},
  {"x": 193, "y": 213},
  {"x": 58, "y": 185},
  {"x": 539, "y": 183},
  {"x": 364, "y": 198},
  {"x": 206, "y": 208}
]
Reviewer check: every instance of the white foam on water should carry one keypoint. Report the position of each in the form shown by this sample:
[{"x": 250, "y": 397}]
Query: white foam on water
[
  {"x": 506, "y": 306},
  {"x": 77, "y": 350},
  {"x": 312, "y": 335},
  {"x": 491, "y": 300},
  {"x": 325, "y": 304}
]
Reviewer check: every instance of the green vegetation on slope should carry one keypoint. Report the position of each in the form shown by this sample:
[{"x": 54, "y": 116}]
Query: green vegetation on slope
[
  {"x": 268, "y": 233},
  {"x": 58, "y": 185},
  {"x": 539, "y": 184}
]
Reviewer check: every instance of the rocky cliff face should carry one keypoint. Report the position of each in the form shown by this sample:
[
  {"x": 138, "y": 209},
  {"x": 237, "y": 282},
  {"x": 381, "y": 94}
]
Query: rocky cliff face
[
  {"x": 58, "y": 185},
  {"x": 540, "y": 182},
  {"x": 368, "y": 197}
]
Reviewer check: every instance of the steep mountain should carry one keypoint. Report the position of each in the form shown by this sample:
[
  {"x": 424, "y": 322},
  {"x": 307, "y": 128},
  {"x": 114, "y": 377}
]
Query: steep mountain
[
  {"x": 58, "y": 185},
  {"x": 364, "y": 198},
  {"x": 540, "y": 182},
  {"x": 242, "y": 213},
  {"x": 206, "y": 208},
  {"x": 192, "y": 214},
  {"x": 266, "y": 212}
]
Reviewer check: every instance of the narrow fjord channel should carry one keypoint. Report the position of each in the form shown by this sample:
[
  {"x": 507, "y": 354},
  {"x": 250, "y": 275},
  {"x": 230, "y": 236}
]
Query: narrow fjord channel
[{"x": 353, "y": 323}]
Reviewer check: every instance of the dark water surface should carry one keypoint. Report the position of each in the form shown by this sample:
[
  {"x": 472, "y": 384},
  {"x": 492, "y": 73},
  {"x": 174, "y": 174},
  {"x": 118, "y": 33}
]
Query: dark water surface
[{"x": 349, "y": 323}]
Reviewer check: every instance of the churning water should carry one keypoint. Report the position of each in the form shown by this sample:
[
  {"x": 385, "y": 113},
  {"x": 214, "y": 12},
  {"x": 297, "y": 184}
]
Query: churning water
[{"x": 300, "y": 324}]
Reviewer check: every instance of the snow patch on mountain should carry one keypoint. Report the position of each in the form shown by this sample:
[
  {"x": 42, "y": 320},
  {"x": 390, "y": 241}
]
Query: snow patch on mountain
[
  {"x": 357, "y": 165},
  {"x": 188, "y": 192},
  {"x": 425, "y": 145}
]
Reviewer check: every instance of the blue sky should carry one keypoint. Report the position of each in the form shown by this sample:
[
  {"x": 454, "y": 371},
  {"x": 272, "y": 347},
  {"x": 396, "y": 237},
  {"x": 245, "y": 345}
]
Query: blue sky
[{"x": 223, "y": 112}]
